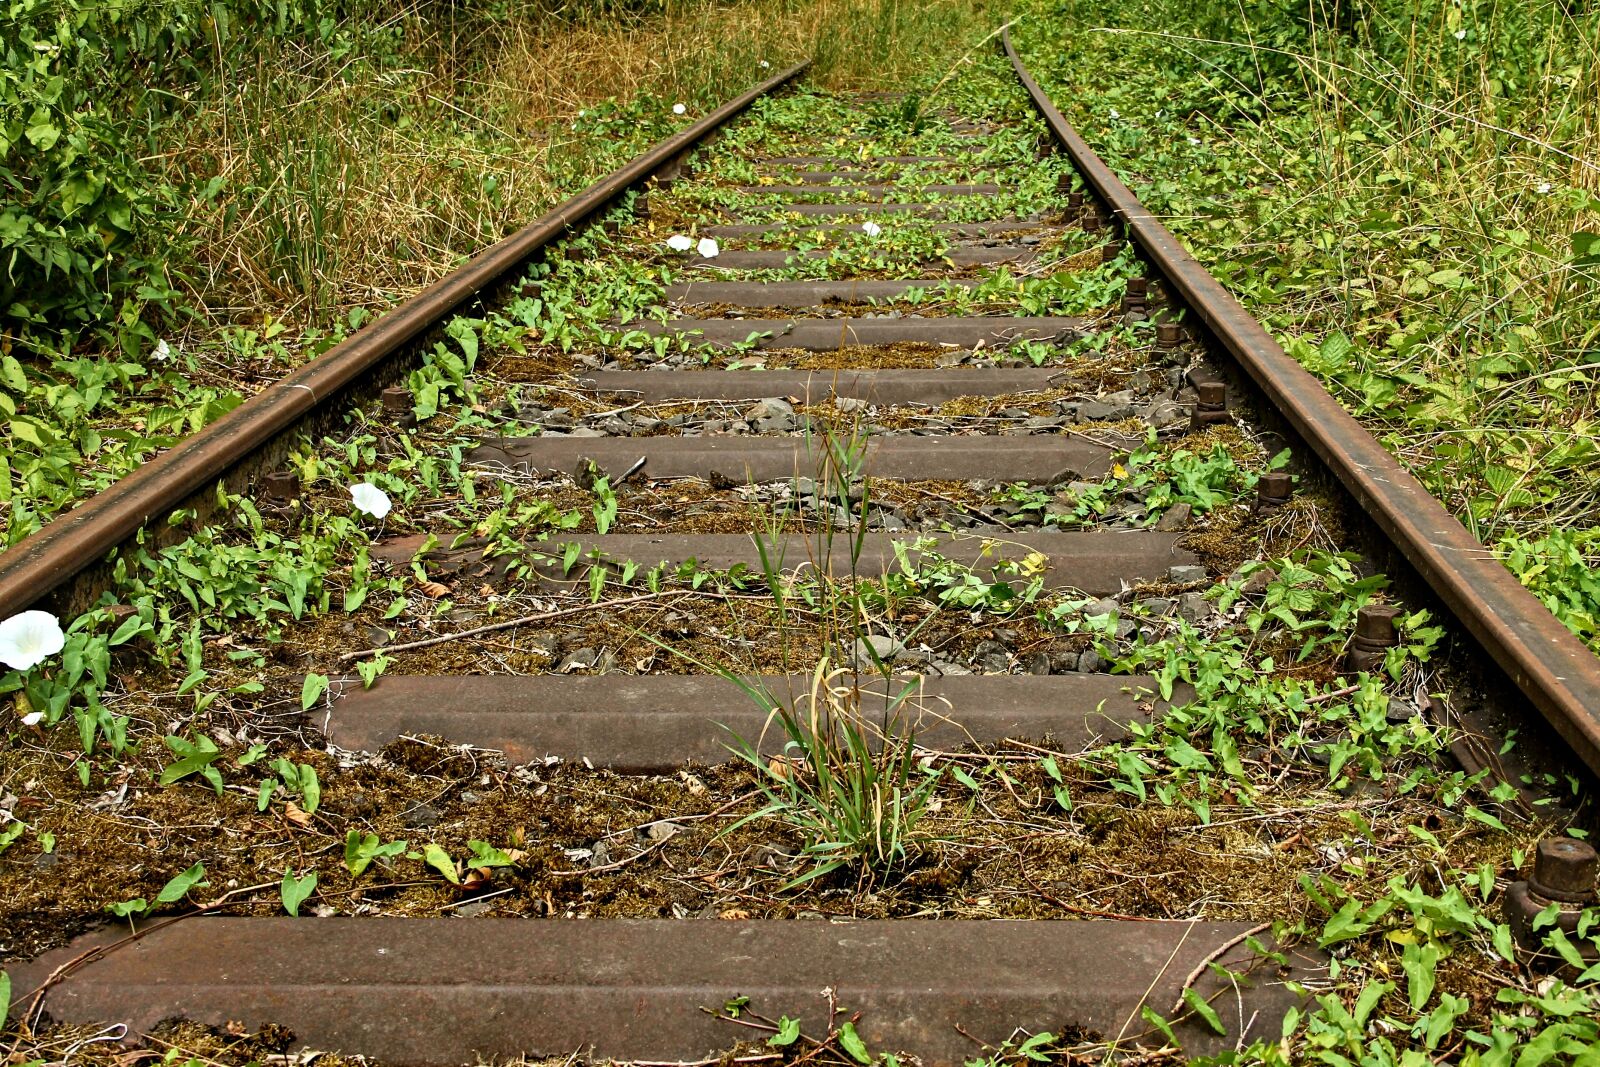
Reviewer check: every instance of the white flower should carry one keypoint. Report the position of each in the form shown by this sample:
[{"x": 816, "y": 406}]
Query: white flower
[
  {"x": 678, "y": 109},
  {"x": 871, "y": 229},
  {"x": 1461, "y": 35},
  {"x": 33, "y": 718},
  {"x": 680, "y": 243},
  {"x": 370, "y": 500},
  {"x": 1194, "y": 140},
  {"x": 1114, "y": 113},
  {"x": 29, "y": 639},
  {"x": 582, "y": 113},
  {"x": 1544, "y": 187},
  {"x": 707, "y": 248},
  {"x": 162, "y": 351},
  {"x": 765, "y": 64}
]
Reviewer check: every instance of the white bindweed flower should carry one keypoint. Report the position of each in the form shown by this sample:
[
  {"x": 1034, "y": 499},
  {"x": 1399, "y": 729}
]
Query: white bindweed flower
[
  {"x": 370, "y": 500},
  {"x": 33, "y": 718},
  {"x": 1461, "y": 35},
  {"x": 30, "y": 638},
  {"x": 162, "y": 351},
  {"x": 1114, "y": 113},
  {"x": 680, "y": 243},
  {"x": 1544, "y": 187},
  {"x": 1194, "y": 140},
  {"x": 765, "y": 64},
  {"x": 678, "y": 109},
  {"x": 871, "y": 229},
  {"x": 707, "y": 248}
]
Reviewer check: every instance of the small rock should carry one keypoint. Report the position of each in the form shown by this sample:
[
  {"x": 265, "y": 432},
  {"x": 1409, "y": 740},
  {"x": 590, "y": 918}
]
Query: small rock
[
  {"x": 1157, "y": 605},
  {"x": 474, "y": 907},
  {"x": 1062, "y": 662},
  {"x": 884, "y": 648},
  {"x": 849, "y": 404},
  {"x": 1101, "y": 607},
  {"x": 1186, "y": 574},
  {"x": 1037, "y": 663},
  {"x": 422, "y": 816},
  {"x": 1063, "y": 477},
  {"x": 1161, "y": 413},
  {"x": 1257, "y": 582},
  {"x": 1089, "y": 662},
  {"x": 581, "y": 659},
  {"x": 662, "y": 831},
  {"x": 1174, "y": 518},
  {"x": 768, "y": 408},
  {"x": 1400, "y": 712},
  {"x": 1194, "y": 606}
]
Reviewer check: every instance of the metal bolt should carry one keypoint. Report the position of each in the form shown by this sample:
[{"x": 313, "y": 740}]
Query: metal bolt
[
  {"x": 641, "y": 205},
  {"x": 1564, "y": 869},
  {"x": 1110, "y": 250},
  {"x": 1375, "y": 635},
  {"x": 1092, "y": 222},
  {"x": 1211, "y": 405},
  {"x": 1563, "y": 874},
  {"x": 1168, "y": 335},
  {"x": 1136, "y": 296},
  {"x": 1273, "y": 490},
  {"x": 280, "y": 486},
  {"x": 1074, "y": 204},
  {"x": 395, "y": 399},
  {"x": 1064, "y": 184}
]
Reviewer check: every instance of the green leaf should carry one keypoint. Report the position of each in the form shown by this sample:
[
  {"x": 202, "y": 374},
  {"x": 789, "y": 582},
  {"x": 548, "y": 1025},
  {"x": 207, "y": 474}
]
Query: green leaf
[
  {"x": 486, "y": 855},
  {"x": 136, "y": 906},
  {"x": 1420, "y": 962},
  {"x": 788, "y": 1033},
  {"x": 315, "y": 685},
  {"x": 179, "y": 886},
  {"x": 294, "y": 891},
  {"x": 1204, "y": 1010},
  {"x": 1153, "y": 1017},
  {"x": 851, "y": 1042},
  {"x": 361, "y": 849},
  {"x": 440, "y": 860},
  {"x": 5, "y": 998},
  {"x": 193, "y": 757}
]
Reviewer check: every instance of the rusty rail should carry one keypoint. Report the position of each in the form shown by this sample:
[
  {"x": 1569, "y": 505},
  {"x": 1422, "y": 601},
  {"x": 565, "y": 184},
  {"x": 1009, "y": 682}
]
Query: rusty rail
[
  {"x": 45, "y": 561},
  {"x": 1551, "y": 667}
]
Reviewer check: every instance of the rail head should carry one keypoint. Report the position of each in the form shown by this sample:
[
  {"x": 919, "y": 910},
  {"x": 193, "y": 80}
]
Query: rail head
[
  {"x": 1545, "y": 660},
  {"x": 47, "y": 560}
]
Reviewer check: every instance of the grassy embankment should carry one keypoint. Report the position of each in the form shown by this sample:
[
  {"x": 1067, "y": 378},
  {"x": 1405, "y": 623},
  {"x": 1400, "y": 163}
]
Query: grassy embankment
[
  {"x": 196, "y": 198},
  {"x": 1407, "y": 195}
]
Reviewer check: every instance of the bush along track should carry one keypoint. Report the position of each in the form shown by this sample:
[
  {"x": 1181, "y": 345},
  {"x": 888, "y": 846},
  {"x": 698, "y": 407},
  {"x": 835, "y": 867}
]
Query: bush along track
[{"x": 842, "y": 531}]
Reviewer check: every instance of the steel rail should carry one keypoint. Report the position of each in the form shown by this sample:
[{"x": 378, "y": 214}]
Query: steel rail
[
  {"x": 44, "y": 561},
  {"x": 1551, "y": 666}
]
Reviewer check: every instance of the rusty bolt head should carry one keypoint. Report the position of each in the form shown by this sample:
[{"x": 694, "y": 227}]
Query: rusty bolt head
[
  {"x": 1275, "y": 487},
  {"x": 1075, "y": 201},
  {"x": 1564, "y": 869},
  {"x": 1139, "y": 286},
  {"x": 396, "y": 398},
  {"x": 1110, "y": 250},
  {"x": 280, "y": 486},
  {"x": 1213, "y": 395},
  {"x": 1168, "y": 335},
  {"x": 1092, "y": 222},
  {"x": 641, "y": 205},
  {"x": 1375, "y": 625}
]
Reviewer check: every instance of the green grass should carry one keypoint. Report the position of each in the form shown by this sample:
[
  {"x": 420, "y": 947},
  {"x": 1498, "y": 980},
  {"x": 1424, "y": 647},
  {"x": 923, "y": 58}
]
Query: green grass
[
  {"x": 198, "y": 200},
  {"x": 1405, "y": 195}
]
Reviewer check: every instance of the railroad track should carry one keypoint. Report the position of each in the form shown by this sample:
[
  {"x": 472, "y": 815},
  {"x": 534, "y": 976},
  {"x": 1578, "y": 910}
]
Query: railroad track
[{"x": 926, "y": 401}]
